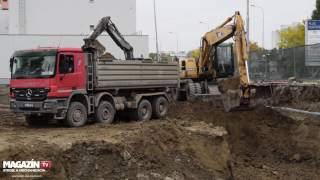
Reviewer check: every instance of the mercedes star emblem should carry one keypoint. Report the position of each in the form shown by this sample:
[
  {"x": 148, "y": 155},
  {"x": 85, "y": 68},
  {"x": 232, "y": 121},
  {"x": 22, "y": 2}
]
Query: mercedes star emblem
[{"x": 29, "y": 93}]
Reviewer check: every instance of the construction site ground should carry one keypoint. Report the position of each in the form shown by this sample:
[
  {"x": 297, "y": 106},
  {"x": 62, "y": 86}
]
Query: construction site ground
[{"x": 197, "y": 141}]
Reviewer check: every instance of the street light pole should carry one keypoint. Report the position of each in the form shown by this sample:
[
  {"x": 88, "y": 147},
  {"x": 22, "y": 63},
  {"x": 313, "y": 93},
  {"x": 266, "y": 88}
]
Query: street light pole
[
  {"x": 156, "y": 29},
  {"x": 201, "y": 22},
  {"x": 263, "y": 24},
  {"x": 248, "y": 25}
]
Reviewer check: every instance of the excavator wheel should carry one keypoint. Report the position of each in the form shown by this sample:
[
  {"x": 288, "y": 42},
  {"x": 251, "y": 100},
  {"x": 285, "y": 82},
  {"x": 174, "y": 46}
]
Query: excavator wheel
[
  {"x": 198, "y": 88},
  {"x": 205, "y": 87},
  {"x": 192, "y": 88}
]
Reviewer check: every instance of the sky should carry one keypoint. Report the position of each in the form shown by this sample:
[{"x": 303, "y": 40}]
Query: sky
[{"x": 179, "y": 26}]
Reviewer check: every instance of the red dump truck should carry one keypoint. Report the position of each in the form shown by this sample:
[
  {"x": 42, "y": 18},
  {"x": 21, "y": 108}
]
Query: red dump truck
[{"x": 73, "y": 84}]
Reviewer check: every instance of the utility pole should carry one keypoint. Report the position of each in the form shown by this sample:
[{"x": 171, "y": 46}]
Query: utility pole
[
  {"x": 202, "y": 22},
  {"x": 263, "y": 23},
  {"x": 248, "y": 24},
  {"x": 156, "y": 29}
]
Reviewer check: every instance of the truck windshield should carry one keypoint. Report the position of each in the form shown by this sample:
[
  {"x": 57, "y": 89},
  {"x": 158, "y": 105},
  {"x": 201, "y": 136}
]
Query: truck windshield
[{"x": 26, "y": 67}]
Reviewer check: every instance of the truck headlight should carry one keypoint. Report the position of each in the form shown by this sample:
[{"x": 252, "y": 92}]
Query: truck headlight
[{"x": 48, "y": 105}]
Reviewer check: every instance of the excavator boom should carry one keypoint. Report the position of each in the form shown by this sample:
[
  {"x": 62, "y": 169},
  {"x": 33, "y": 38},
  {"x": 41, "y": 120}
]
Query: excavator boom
[{"x": 105, "y": 24}]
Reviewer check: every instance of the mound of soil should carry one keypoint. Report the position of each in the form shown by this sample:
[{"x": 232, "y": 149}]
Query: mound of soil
[
  {"x": 161, "y": 150},
  {"x": 165, "y": 151},
  {"x": 302, "y": 97},
  {"x": 38, "y": 151}
]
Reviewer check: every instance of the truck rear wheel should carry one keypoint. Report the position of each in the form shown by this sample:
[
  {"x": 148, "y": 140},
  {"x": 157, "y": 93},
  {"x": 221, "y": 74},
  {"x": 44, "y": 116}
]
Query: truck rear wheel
[
  {"x": 35, "y": 120},
  {"x": 143, "y": 112},
  {"x": 160, "y": 107},
  {"x": 105, "y": 113},
  {"x": 77, "y": 115}
]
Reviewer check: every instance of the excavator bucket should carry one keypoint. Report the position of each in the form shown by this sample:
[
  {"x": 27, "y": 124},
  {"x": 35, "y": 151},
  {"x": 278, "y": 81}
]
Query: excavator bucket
[{"x": 232, "y": 95}]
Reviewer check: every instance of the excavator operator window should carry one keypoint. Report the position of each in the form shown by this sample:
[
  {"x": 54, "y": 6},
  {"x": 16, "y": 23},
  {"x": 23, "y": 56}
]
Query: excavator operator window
[{"x": 224, "y": 63}]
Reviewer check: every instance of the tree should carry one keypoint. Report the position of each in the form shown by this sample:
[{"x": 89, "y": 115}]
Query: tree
[
  {"x": 316, "y": 12},
  {"x": 292, "y": 36},
  {"x": 254, "y": 47},
  {"x": 153, "y": 56},
  {"x": 194, "y": 53}
]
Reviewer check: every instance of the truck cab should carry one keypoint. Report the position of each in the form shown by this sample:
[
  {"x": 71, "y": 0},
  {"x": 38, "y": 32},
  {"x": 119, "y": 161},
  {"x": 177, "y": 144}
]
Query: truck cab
[{"x": 42, "y": 80}]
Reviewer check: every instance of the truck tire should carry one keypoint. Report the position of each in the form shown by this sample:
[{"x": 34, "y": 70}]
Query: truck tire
[
  {"x": 160, "y": 107},
  {"x": 143, "y": 112},
  {"x": 77, "y": 115},
  {"x": 36, "y": 121},
  {"x": 105, "y": 113}
]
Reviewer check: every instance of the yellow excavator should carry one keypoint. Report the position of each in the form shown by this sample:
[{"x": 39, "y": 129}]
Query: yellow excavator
[{"x": 224, "y": 64}]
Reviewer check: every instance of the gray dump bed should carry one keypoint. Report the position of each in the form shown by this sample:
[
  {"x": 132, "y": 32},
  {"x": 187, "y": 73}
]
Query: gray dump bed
[{"x": 135, "y": 74}]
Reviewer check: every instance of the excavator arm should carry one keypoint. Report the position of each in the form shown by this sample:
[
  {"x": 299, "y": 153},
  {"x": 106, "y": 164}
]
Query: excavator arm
[
  {"x": 236, "y": 92},
  {"x": 107, "y": 25}
]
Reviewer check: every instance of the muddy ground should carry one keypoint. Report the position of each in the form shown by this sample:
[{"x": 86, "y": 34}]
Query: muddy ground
[
  {"x": 4, "y": 91},
  {"x": 197, "y": 141}
]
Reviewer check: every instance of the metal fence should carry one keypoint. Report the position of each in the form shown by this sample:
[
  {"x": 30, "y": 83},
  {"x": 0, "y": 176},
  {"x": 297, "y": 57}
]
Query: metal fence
[{"x": 281, "y": 64}]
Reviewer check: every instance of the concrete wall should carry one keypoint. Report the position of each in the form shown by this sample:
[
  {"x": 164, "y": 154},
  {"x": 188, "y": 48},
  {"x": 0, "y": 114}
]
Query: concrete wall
[
  {"x": 4, "y": 21},
  {"x": 69, "y": 16},
  {"x": 10, "y": 43}
]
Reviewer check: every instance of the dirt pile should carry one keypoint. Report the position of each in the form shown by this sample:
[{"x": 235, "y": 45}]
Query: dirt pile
[
  {"x": 159, "y": 150},
  {"x": 156, "y": 152},
  {"x": 305, "y": 97},
  {"x": 38, "y": 151}
]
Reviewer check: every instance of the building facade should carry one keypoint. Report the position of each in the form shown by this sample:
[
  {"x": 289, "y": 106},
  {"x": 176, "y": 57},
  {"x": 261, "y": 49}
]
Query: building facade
[
  {"x": 4, "y": 17},
  {"x": 64, "y": 23}
]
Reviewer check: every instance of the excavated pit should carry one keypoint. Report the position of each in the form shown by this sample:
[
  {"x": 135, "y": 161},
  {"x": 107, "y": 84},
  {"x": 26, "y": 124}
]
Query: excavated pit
[
  {"x": 197, "y": 141},
  {"x": 265, "y": 144}
]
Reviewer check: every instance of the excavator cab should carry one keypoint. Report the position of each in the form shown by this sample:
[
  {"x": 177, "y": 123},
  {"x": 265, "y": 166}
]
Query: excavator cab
[
  {"x": 188, "y": 68},
  {"x": 224, "y": 60}
]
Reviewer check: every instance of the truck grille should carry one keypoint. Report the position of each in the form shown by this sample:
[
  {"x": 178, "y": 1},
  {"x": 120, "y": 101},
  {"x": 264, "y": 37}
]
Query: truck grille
[{"x": 30, "y": 94}]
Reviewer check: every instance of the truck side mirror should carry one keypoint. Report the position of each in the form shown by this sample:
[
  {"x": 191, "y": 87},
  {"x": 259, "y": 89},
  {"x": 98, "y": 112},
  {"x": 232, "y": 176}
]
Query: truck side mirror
[{"x": 11, "y": 63}]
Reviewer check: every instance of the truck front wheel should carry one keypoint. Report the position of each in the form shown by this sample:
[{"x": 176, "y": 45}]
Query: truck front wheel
[
  {"x": 160, "y": 107},
  {"x": 35, "y": 120},
  {"x": 144, "y": 111},
  {"x": 77, "y": 115},
  {"x": 105, "y": 113}
]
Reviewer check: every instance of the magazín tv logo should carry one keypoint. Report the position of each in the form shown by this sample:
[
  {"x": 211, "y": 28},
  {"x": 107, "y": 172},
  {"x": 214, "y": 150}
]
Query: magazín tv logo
[{"x": 26, "y": 166}]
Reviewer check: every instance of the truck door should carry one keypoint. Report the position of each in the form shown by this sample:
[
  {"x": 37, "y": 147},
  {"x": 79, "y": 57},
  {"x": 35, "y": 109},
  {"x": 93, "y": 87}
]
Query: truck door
[{"x": 67, "y": 76}]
